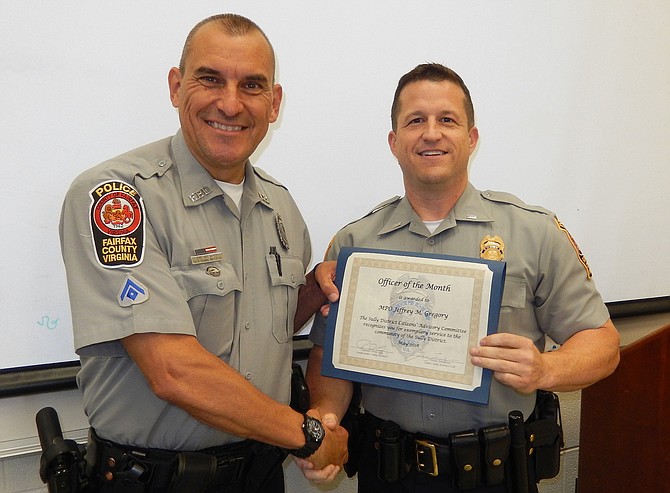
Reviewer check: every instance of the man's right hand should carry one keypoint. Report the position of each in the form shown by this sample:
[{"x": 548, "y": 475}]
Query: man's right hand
[
  {"x": 324, "y": 274},
  {"x": 326, "y": 462}
]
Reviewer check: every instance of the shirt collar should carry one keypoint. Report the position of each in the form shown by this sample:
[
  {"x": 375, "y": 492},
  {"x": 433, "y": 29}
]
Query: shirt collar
[
  {"x": 470, "y": 207},
  {"x": 198, "y": 186}
]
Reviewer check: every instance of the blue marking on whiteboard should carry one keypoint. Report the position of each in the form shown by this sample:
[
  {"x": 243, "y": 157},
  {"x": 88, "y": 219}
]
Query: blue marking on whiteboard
[{"x": 48, "y": 322}]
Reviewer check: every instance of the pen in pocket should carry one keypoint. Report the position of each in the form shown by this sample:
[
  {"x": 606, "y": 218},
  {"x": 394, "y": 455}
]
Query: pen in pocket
[{"x": 273, "y": 251}]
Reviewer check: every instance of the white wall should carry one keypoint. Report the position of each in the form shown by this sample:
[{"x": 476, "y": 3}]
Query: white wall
[{"x": 571, "y": 97}]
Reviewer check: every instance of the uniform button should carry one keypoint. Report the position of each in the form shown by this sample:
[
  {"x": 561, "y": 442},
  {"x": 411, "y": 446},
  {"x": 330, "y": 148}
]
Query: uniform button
[
  {"x": 431, "y": 241},
  {"x": 220, "y": 284},
  {"x": 247, "y": 325},
  {"x": 247, "y": 375},
  {"x": 431, "y": 415},
  {"x": 162, "y": 163},
  {"x": 293, "y": 279}
]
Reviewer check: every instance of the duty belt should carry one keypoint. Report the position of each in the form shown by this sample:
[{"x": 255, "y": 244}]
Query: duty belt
[
  {"x": 468, "y": 458},
  {"x": 154, "y": 470}
]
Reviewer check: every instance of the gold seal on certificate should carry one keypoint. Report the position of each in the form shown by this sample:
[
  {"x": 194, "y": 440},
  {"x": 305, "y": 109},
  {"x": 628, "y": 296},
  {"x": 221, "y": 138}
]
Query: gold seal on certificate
[{"x": 407, "y": 320}]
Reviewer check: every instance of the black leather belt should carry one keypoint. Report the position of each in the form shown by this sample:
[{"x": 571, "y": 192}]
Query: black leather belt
[
  {"x": 164, "y": 470},
  {"x": 468, "y": 458},
  {"x": 432, "y": 458}
]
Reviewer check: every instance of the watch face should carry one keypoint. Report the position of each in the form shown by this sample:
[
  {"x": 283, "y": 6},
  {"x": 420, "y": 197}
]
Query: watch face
[{"x": 315, "y": 429}]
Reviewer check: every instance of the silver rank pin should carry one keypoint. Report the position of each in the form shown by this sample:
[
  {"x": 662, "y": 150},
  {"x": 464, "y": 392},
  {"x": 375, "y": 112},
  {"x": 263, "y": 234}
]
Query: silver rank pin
[
  {"x": 198, "y": 194},
  {"x": 264, "y": 198},
  {"x": 281, "y": 231}
]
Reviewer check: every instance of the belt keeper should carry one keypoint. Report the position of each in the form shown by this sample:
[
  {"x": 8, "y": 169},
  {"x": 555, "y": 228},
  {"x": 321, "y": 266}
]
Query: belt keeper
[
  {"x": 465, "y": 453},
  {"x": 495, "y": 444}
]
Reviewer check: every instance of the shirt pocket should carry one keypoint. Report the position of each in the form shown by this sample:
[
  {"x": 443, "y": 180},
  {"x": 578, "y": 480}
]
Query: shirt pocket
[
  {"x": 210, "y": 290},
  {"x": 514, "y": 293},
  {"x": 512, "y": 313},
  {"x": 287, "y": 274}
]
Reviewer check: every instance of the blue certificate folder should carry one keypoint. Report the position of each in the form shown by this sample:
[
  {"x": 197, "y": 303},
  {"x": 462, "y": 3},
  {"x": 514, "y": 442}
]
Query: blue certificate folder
[{"x": 478, "y": 395}]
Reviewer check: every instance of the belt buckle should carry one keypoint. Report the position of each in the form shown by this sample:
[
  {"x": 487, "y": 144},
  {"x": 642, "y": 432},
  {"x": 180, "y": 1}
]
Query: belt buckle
[{"x": 423, "y": 448}]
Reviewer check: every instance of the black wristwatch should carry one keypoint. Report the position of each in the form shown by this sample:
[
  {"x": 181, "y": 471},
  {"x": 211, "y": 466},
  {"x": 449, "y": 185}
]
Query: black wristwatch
[{"x": 314, "y": 434}]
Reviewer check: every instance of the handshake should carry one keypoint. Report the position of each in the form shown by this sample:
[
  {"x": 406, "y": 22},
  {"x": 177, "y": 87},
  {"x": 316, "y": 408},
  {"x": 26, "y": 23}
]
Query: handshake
[{"x": 324, "y": 464}]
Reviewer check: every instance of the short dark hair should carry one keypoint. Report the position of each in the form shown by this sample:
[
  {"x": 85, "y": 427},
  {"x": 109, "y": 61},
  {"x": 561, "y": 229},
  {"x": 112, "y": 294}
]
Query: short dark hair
[
  {"x": 231, "y": 24},
  {"x": 432, "y": 72}
]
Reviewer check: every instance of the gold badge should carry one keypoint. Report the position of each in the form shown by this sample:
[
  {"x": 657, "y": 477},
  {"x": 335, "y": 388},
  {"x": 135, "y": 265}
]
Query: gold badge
[{"x": 492, "y": 248}]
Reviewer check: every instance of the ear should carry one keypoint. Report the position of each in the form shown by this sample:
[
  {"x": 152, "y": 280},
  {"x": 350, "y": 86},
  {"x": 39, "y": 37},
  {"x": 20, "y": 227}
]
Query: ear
[
  {"x": 174, "y": 83},
  {"x": 392, "y": 141},
  {"x": 277, "y": 93},
  {"x": 474, "y": 138}
]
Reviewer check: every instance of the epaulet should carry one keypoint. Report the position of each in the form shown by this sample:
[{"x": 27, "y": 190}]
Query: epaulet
[
  {"x": 266, "y": 177},
  {"x": 378, "y": 208},
  {"x": 383, "y": 205},
  {"x": 508, "y": 198},
  {"x": 145, "y": 161},
  {"x": 374, "y": 210}
]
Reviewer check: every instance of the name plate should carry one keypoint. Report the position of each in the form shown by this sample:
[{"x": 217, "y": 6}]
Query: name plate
[{"x": 407, "y": 320}]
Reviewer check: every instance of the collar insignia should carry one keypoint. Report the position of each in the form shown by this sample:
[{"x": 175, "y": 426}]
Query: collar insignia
[
  {"x": 264, "y": 198},
  {"x": 198, "y": 194}
]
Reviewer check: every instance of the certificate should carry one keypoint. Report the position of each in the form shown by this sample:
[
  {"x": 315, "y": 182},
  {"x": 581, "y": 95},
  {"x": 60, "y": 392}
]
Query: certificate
[{"x": 407, "y": 320}]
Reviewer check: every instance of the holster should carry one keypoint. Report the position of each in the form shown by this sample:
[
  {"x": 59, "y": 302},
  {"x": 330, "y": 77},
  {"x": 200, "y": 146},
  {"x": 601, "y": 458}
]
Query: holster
[
  {"x": 299, "y": 389},
  {"x": 465, "y": 453},
  {"x": 131, "y": 474},
  {"x": 353, "y": 422},
  {"x": 544, "y": 436},
  {"x": 391, "y": 450}
]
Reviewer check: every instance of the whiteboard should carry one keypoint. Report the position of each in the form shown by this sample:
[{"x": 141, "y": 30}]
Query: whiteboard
[{"x": 572, "y": 101}]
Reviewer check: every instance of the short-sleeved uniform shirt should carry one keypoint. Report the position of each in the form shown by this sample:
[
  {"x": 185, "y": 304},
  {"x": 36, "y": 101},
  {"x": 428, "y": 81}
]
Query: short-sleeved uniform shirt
[
  {"x": 548, "y": 291},
  {"x": 152, "y": 244}
]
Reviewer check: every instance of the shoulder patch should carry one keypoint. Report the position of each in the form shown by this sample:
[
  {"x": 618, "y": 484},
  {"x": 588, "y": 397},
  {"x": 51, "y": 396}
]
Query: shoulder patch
[
  {"x": 578, "y": 251},
  {"x": 117, "y": 224}
]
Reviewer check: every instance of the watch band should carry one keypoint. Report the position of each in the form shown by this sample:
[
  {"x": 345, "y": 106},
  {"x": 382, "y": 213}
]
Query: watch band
[{"x": 314, "y": 434}]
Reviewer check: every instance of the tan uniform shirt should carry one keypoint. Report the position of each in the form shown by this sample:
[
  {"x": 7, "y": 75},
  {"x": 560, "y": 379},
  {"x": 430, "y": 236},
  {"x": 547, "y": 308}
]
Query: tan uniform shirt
[
  {"x": 548, "y": 290},
  {"x": 152, "y": 244}
]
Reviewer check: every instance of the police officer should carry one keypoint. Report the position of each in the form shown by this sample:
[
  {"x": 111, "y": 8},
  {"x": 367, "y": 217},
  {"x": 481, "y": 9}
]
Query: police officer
[
  {"x": 548, "y": 291},
  {"x": 184, "y": 265}
]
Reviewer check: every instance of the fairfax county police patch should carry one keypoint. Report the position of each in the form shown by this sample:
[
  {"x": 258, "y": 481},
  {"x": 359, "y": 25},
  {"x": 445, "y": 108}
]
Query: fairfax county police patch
[{"x": 117, "y": 224}]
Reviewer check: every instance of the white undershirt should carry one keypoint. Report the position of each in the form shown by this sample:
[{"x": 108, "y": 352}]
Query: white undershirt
[
  {"x": 432, "y": 225},
  {"x": 233, "y": 190}
]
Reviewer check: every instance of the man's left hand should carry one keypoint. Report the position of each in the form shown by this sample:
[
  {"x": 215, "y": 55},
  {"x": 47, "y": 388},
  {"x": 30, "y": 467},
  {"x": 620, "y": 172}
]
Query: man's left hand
[{"x": 514, "y": 359}]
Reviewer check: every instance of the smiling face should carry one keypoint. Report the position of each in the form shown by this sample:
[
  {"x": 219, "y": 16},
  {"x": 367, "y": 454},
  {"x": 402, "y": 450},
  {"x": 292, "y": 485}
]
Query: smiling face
[
  {"x": 433, "y": 140},
  {"x": 226, "y": 98}
]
